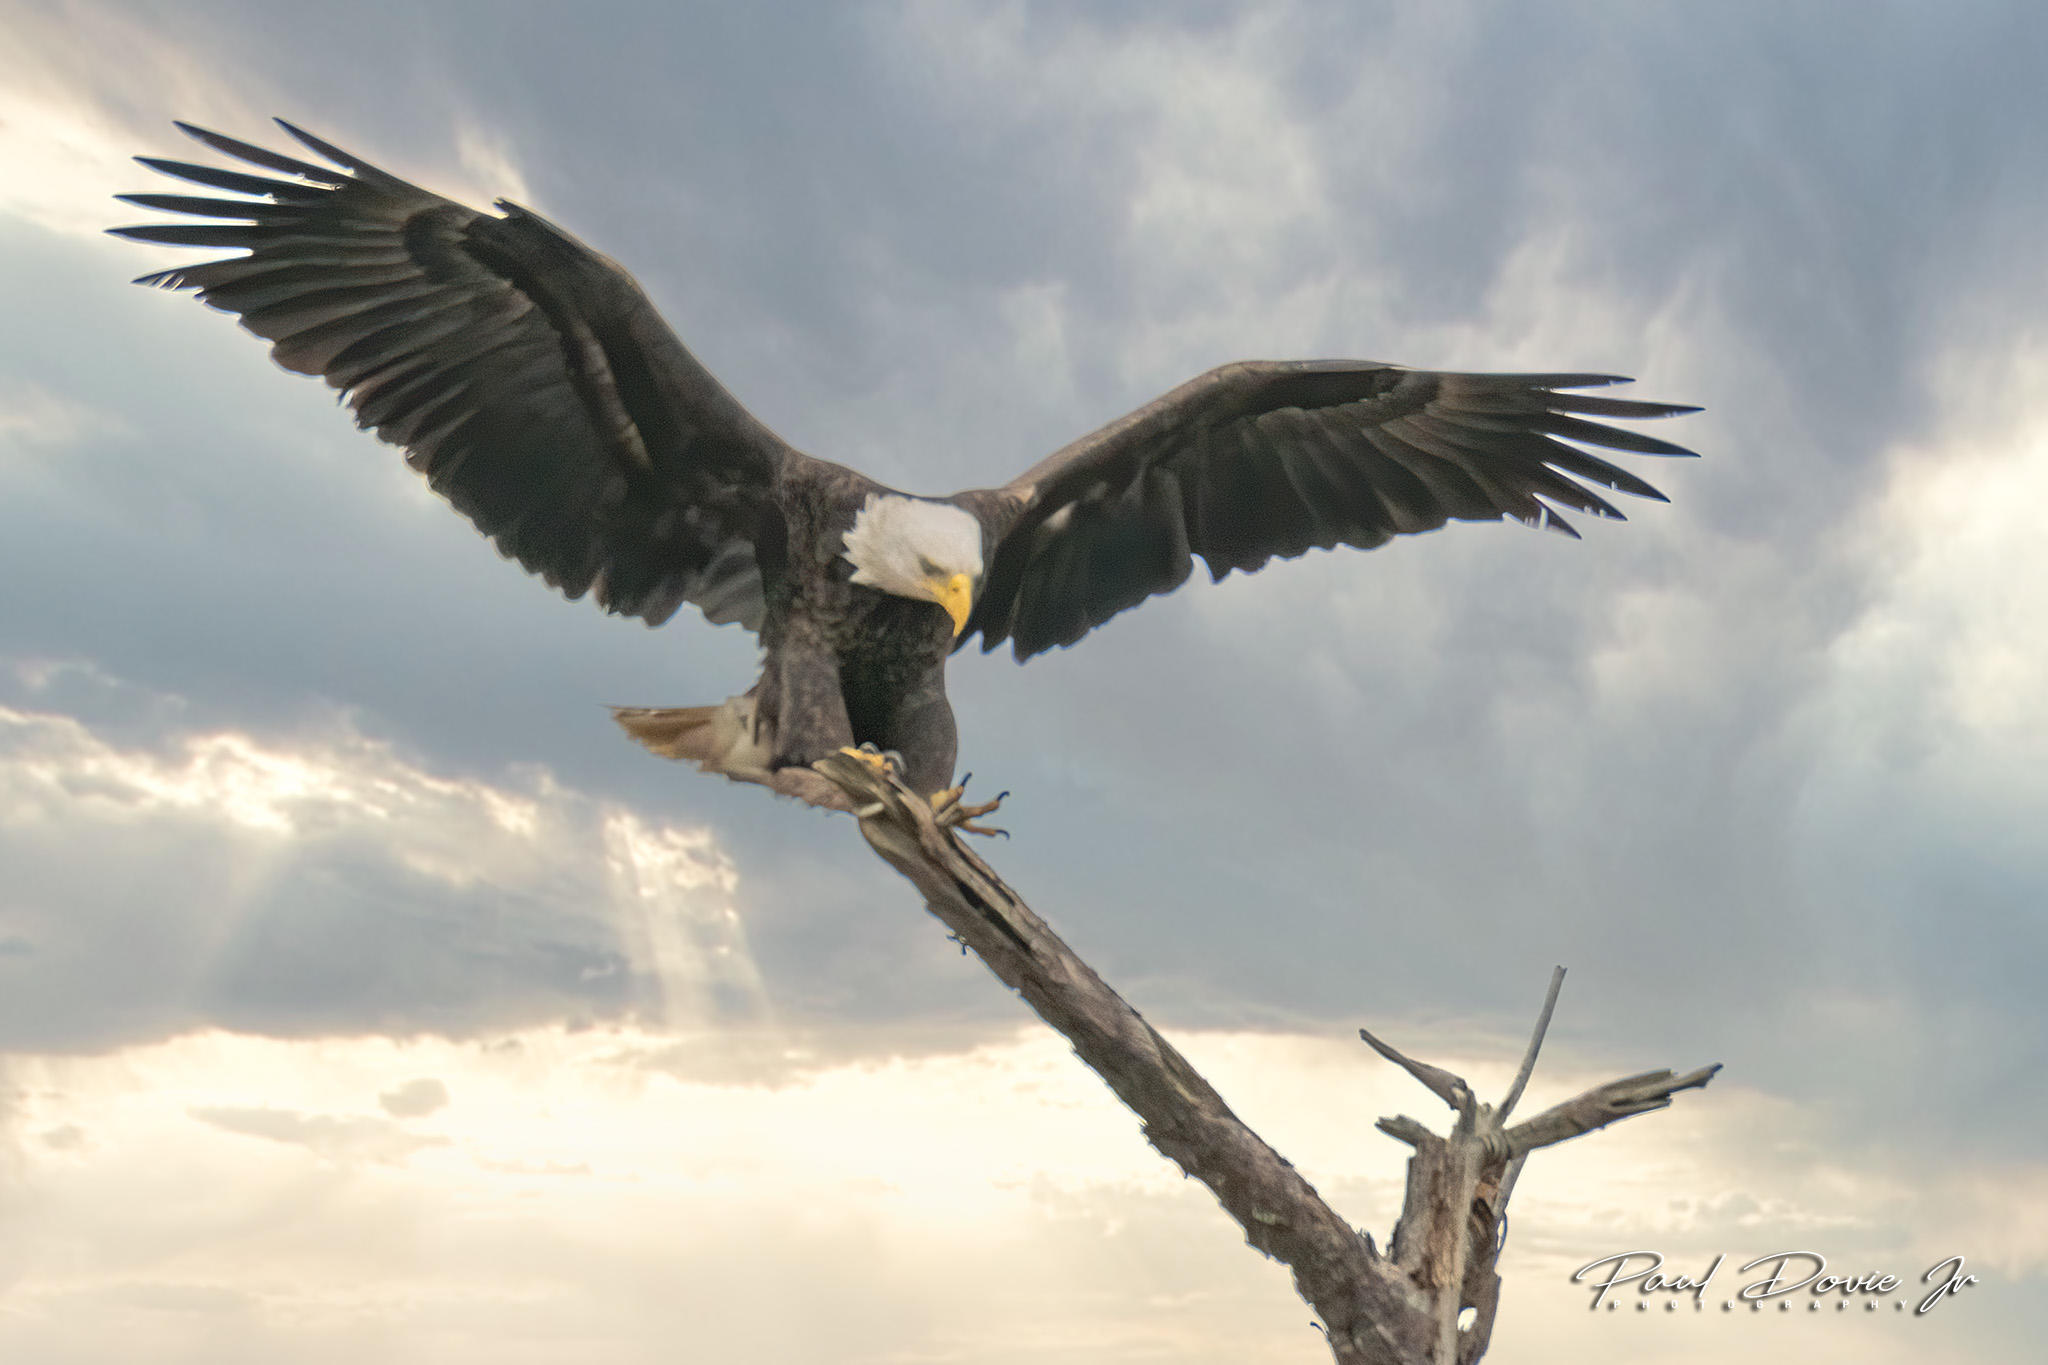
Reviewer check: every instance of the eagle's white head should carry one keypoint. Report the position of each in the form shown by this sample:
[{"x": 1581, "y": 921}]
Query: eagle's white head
[{"x": 919, "y": 548}]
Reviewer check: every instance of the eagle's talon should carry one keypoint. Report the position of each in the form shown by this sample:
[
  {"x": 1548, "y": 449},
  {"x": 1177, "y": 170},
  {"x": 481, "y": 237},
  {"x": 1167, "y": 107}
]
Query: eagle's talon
[
  {"x": 952, "y": 813},
  {"x": 885, "y": 765}
]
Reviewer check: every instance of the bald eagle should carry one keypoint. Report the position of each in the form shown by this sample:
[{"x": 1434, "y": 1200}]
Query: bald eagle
[{"x": 534, "y": 385}]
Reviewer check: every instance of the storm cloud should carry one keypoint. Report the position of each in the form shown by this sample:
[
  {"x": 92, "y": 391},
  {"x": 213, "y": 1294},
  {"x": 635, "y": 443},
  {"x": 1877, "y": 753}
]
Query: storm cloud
[{"x": 287, "y": 752}]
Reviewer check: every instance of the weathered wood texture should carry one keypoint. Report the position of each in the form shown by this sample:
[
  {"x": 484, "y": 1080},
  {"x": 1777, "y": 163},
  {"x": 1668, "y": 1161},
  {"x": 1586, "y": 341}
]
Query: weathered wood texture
[{"x": 1376, "y": 1309}]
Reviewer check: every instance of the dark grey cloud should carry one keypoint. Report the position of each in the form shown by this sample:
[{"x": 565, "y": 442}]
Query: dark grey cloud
[{"x": 940, "y": 244}]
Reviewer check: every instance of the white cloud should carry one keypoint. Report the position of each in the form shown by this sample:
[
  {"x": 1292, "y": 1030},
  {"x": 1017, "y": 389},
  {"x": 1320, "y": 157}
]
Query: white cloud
[
  {"x": 991, "y": 1205},
  {"x": 1946, "y": 662},
  {"x": 1935, "y": 768},
  {"x": 66, "y": 136},
  {"x": 488, "y": 164},
  {"x": 324, "y": 882},
  {"x": 86, "y": 88}
]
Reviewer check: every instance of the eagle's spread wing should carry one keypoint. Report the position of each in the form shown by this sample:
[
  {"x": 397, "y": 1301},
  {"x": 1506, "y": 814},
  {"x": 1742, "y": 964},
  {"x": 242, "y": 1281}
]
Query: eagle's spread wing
[
  {"x": 525, "y": 375},
  {"x": 1268, "y": 458}
]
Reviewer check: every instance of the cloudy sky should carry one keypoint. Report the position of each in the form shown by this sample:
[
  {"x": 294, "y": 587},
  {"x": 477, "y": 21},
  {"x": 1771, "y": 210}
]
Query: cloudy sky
[{"x": 363, "y": 994}]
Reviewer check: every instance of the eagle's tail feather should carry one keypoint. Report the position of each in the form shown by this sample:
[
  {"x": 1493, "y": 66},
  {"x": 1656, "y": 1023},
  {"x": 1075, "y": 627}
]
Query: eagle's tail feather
[
  {"x": 684, "y": 732},
  {"x": 722, "y": 739}
]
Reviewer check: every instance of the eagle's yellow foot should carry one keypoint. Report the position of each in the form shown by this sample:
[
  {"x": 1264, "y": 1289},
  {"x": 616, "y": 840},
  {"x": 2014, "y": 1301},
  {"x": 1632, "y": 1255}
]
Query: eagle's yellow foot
[
  {"x": 953, "y": 814},
  {"x": 884, "y": 764}
]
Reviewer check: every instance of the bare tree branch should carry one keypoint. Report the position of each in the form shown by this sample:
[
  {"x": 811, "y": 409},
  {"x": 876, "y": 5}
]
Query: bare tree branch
[
  {"x": 1528, "y": 1067},
  {"x": 1401, "y": 1309},
  {"x": 1369, "y": 1311},
  {"x": 1435, "y": 1079},
  {"x": 1514, "y": 1096},
  {"x": 1602, "y": 1105}
]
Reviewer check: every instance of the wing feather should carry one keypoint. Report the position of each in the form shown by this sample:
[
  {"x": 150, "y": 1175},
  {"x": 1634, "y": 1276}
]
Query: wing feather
[
  {"x": 524, "y": 375},
  {"x": 1263, "y": 460}
]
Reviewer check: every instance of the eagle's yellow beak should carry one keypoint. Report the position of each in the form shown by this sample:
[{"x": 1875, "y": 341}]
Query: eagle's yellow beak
[{"x": 956, "y": 595}]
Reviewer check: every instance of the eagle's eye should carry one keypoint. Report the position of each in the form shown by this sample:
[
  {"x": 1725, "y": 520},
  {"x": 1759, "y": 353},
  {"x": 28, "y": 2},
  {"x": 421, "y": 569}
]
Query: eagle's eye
[{"x": 927, "y": 568}]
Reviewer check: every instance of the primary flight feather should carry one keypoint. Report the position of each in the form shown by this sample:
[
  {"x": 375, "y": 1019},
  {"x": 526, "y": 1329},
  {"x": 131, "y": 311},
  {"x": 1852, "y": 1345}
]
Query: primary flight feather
[{"x": 534, "y": 385}]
